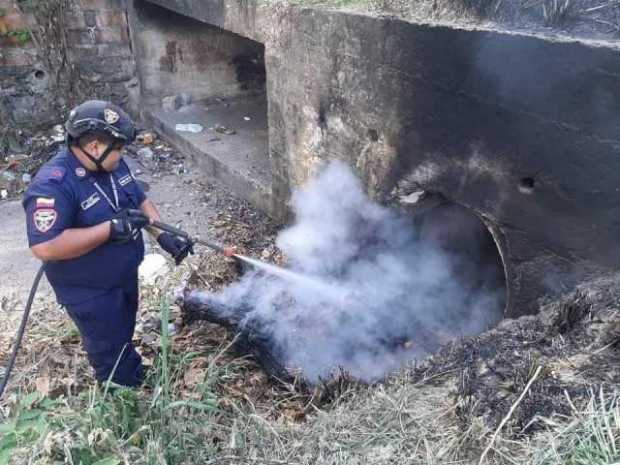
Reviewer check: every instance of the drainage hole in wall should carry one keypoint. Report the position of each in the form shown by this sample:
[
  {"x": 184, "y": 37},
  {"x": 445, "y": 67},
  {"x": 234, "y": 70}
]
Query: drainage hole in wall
[
  {"x": 373, "y": 135},
  {"x": 322, "y": 118},
  {"x": 526, "y": 185}
]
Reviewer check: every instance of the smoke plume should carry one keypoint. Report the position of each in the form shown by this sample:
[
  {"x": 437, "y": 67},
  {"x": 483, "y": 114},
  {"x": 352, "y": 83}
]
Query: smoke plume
[{"x": 370, "y": 289}]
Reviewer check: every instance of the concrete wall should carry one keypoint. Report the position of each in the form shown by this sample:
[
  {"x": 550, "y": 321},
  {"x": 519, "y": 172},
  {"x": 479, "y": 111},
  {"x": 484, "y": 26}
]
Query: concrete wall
[
  {"x": 176, "y": 54},
  {"x": 35, "y": 90},
  {"x": 522, "y": 130},
  {"x": 475, "y": 116},
  {"x": 251, "y": 19}
]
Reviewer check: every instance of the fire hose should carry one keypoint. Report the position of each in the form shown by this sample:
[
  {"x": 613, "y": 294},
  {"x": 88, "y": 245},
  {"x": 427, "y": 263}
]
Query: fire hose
[
  {"x": 22, "y": 327},
  {"x": 180, "y": 233}
]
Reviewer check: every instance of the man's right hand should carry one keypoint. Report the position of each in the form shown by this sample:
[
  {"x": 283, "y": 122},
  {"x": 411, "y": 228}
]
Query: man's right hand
[{"x": 126, "y": 225}]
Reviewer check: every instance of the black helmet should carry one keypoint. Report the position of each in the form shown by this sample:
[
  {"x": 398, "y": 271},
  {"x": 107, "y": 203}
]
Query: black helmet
[{"x": 99, "y": 117}]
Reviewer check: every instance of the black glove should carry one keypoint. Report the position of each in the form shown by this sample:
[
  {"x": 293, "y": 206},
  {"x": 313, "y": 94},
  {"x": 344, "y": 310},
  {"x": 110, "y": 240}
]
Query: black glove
[
  {"x": 126, "y": 225},
  {"x": 176, "y": 246}
]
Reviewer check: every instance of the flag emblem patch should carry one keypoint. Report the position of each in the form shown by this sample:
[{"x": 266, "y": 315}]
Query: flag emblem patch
[{"x": 44, "y": 202}]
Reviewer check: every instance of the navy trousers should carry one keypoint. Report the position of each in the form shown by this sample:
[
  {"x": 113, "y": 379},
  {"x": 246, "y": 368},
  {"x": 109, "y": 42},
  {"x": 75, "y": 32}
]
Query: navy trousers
[{"x": 107, "y": 323}]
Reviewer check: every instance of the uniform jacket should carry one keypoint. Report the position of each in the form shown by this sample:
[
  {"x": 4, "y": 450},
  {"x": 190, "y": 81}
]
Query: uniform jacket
[{"x": 65, "y": 195}]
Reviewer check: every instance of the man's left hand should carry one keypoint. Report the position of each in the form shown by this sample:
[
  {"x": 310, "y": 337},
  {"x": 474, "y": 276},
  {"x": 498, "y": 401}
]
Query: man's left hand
[{"x": 176, "y": 246}]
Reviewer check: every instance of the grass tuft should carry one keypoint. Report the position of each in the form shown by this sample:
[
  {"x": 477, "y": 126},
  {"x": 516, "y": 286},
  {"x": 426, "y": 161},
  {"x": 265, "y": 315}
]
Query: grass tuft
[{"x": 591, "y": 437}]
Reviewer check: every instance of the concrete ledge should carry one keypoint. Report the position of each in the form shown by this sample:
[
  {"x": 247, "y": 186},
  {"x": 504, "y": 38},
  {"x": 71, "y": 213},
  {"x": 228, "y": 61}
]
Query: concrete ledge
[
  {"x": 238, "y": 17},
  {"x": 236, "y": 162}
]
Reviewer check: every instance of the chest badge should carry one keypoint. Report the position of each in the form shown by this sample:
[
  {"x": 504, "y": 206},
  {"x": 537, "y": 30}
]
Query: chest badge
[
  {"x": 125, "y": 180},
  {"x": 90, "y": 201},
  {"x": 80, "y": 172},
  {"x": 44, "y": 219}
]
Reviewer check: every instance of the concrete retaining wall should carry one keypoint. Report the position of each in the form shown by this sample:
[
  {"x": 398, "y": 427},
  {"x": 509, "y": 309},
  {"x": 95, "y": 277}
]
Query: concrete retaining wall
[{"x": 522, "y": 130}]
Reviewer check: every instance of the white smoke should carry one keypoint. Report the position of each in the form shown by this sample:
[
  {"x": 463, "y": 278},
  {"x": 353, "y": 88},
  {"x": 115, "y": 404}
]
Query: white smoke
[{"x": 370, "y": 294}]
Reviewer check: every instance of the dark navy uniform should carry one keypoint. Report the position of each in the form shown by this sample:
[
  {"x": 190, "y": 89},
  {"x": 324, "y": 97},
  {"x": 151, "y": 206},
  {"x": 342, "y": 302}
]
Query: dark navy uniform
[{"x": 98, "y": 289}]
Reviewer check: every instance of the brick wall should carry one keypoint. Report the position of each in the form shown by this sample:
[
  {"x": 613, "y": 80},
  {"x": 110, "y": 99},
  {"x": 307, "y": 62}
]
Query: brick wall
[
  {"x": 18, "y": 66},
  {"x": 99, "y": 57}
]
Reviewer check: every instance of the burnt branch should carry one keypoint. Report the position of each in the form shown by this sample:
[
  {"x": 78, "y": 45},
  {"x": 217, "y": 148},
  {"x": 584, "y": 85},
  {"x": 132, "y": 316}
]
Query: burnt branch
[{"x": 252, "y": 336}]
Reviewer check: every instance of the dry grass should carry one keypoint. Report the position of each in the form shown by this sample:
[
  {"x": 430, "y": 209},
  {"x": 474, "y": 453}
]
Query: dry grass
[
  {"x": 400, "y": 423},
  {"x": 581, "y": 17},
  {"x": 204, "y": 405}
]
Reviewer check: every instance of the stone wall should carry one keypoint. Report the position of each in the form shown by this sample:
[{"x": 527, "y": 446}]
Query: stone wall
[
  {"x": 80, "y": 49},
  {"x": 101, "y": 50},
  {"x": 22, "y": 77}
]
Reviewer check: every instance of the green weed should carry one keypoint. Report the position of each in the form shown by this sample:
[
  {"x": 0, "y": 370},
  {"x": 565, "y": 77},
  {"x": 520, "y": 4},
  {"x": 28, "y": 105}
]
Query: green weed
[
  {"x": 28, "y": 424},
  {"x": 21, "y": 35}
]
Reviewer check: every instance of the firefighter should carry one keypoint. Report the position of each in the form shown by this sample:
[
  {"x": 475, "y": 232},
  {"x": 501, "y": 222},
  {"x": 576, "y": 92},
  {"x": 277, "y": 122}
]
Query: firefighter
[{"x": 79, "y": 222}]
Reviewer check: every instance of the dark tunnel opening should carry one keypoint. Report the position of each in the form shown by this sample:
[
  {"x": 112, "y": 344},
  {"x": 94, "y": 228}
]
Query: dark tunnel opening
[{"x": 475, "y": 259}]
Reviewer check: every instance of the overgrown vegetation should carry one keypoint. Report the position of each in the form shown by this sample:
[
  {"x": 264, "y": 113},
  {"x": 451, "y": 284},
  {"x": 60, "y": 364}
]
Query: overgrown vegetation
[
  {"x": 524, "y": 392},
  {"x": 400, "y": 423},
  {"x": 22, "y": 36},
  {"x": 590, "y": 437},
  {"x": 581, "y": 17},
  {"x": 183, "y": 416}
]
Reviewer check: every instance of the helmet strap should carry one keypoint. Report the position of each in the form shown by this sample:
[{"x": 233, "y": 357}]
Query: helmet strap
[{"x": 99, "y": 161}]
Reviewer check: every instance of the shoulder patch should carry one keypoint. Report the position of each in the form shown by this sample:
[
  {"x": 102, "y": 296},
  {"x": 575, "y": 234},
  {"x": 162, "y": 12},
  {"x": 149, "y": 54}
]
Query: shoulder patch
[{"x": 53, "y": 173}]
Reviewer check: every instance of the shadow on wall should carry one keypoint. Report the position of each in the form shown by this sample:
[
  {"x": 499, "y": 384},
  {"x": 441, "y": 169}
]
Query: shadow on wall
[
  {"x": 179, "y": 54},
  {"x": 476, "y": 261}
]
